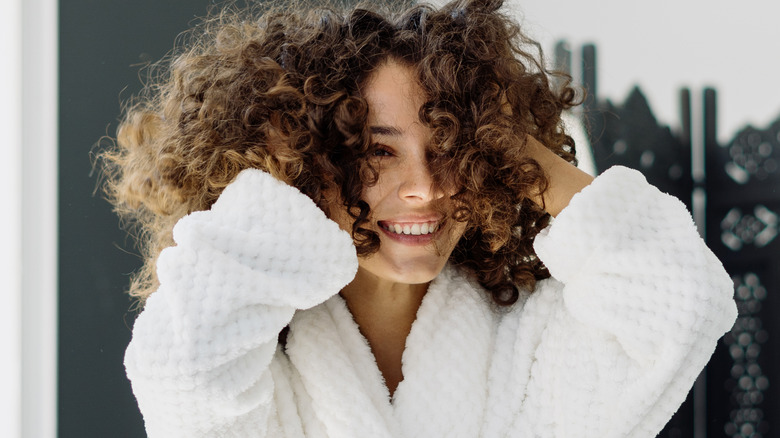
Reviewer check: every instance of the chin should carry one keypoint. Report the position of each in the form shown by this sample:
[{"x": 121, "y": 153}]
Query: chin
[
  {"x": 405, "y": 271},
  {"x": 417, "y": 277}
]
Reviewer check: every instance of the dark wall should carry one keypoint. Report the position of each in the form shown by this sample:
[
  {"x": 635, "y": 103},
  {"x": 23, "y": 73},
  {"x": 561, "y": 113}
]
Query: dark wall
[{"x": 102, "y": 43}]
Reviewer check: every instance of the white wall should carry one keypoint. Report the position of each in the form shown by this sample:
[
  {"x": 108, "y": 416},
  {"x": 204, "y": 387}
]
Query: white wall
[
  {"x": 28, "y": 175},
  {"x": 666, "y": 44},
  {"x": 39, "y": 218},
  {"x": 11, "y": 218}
]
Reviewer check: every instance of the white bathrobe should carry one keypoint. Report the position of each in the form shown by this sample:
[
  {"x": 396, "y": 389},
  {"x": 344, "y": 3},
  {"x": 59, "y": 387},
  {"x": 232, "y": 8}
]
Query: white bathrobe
[{"x": 608, "y": 347}]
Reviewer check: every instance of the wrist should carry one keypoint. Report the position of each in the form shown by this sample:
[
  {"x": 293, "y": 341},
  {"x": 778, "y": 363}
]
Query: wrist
[{"x": 564, "y": 179}]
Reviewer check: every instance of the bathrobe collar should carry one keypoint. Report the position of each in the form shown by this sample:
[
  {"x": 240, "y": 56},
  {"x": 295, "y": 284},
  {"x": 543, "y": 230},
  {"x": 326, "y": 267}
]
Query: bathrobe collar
[{"x": 445, "y": 366}]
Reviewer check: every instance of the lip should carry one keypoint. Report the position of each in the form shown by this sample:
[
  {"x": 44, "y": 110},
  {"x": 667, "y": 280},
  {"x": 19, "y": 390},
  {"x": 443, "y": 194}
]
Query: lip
[
  {"x": 411, "y": 239},
  {"x": 414, "y": 218},
  {"x": 409, "y": 219}
]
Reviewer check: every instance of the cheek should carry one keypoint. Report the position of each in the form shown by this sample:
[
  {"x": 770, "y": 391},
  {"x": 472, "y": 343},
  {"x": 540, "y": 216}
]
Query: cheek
[
  {"x": 458, "y": 230},
  {"x": 339, "y": 214},
  {"x": 373, "y": 195}
]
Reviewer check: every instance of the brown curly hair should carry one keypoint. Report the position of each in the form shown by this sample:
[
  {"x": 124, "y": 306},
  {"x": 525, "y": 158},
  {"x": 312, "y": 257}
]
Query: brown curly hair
[{"x": 280, "y": 89}]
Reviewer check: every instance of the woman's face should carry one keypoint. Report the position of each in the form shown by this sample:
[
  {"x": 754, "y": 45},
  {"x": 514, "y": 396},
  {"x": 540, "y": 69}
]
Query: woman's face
[{"x": 413, "y": 247}]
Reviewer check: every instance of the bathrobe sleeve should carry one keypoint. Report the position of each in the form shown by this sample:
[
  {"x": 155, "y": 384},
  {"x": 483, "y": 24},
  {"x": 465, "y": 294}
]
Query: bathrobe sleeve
[
  {"x": 637, "y": 309},
  {"x": 201, "y": 349}
]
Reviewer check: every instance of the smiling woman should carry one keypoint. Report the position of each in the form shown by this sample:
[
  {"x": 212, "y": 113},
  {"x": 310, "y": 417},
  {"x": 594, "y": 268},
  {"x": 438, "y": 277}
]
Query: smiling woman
[
  {"x": 295, "y": 88},
  {"x": 348, "y": 224},
  {"x": 407, "y": 210},
  {"x": 408, "y": 213}
]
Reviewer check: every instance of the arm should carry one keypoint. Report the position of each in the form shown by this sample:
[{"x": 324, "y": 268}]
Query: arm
[
  {"x": 201, "y": 349},
  {"x": 641, "y": 306},
  {"x": 565, "y": 180}
]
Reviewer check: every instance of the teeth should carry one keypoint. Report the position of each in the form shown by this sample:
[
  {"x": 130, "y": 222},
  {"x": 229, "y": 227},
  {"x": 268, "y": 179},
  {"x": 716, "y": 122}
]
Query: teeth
[{"x": 413, "y": 229}]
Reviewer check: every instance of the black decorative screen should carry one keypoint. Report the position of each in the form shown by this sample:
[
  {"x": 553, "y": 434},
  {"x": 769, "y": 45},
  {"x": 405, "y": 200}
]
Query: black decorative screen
[{"x": 738, "y": 395}]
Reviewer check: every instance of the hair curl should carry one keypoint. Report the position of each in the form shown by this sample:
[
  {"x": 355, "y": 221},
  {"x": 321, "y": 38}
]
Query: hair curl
[{"x": 280, "y": 89}]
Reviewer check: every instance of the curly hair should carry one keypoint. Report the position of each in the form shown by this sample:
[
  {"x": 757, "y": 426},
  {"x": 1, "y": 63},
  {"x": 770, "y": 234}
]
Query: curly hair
[{"x": 280, "y": 89}]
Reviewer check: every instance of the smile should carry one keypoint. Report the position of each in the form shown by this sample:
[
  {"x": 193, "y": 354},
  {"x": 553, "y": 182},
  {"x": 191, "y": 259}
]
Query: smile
[{"x": 410, "y": 228}]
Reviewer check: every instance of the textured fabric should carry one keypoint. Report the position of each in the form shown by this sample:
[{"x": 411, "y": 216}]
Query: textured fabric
[{"x": 608, "y": 347}]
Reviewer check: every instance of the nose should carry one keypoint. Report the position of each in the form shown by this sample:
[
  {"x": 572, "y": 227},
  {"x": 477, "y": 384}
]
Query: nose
[{"x": 416, "y": 184}]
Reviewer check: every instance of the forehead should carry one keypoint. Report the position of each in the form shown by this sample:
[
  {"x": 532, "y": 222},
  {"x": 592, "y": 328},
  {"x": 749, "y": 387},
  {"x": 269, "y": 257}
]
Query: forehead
[{"x": 394, "y": 95}]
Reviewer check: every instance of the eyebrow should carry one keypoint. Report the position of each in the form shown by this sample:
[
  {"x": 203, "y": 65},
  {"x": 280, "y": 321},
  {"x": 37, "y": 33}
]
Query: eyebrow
[{"x": 391, "y": 131}]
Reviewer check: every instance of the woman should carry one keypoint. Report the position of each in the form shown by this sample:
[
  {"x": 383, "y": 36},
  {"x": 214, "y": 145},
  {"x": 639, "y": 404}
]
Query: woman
[{"x": 362, "y": 241}]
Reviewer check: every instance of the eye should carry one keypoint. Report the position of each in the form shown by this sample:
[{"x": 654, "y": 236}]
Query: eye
[{"x": 382, "y": 151}]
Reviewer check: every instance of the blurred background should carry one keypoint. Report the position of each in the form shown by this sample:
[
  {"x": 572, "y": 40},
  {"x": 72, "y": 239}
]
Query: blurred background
[{"x": 705, "y": 70}]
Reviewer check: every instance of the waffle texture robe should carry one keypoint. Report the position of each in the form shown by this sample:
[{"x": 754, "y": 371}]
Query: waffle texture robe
[{"x": 607, "y": 347}]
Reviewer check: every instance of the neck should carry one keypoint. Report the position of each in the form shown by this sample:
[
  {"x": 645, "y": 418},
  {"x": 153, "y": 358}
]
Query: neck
[
  {"x": 372, "y": 299},
  {"x": 384, "y": 311}
]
